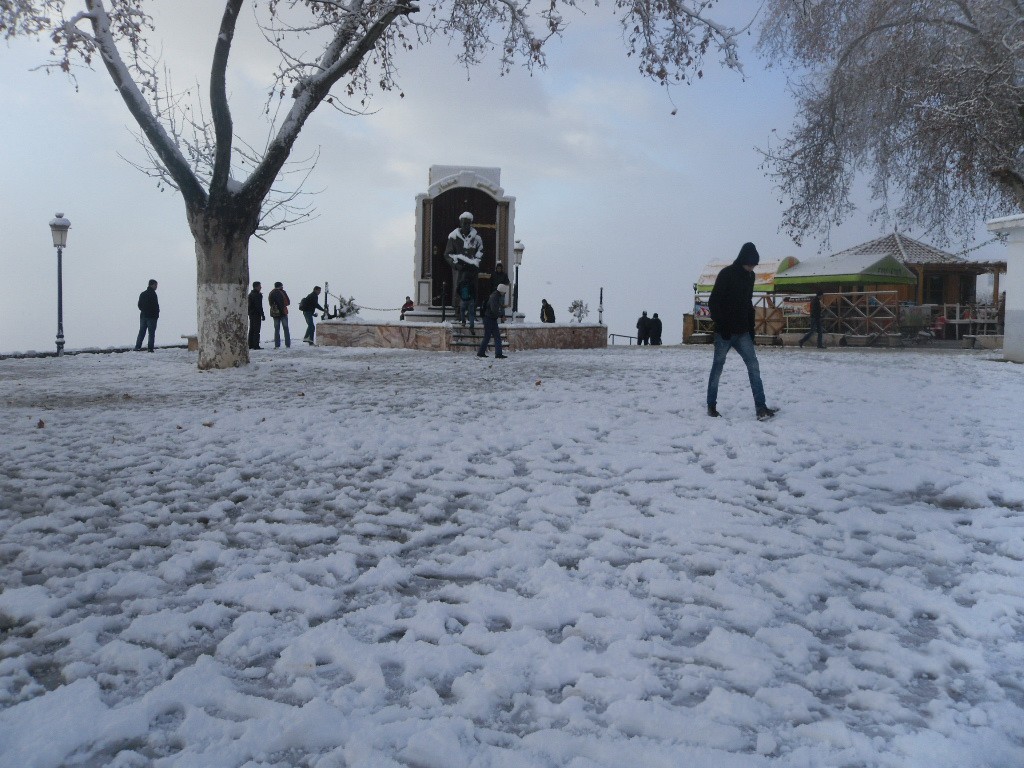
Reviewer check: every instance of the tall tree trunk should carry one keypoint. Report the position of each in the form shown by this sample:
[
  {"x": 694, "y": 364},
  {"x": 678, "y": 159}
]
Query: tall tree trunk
[{"x": 222, "y": 282}]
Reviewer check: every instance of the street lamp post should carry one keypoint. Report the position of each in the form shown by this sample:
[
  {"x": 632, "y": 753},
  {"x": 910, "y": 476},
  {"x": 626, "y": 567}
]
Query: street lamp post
[
  {"x": 517, "y": 249},
  {"x": 59, "y": 227}
]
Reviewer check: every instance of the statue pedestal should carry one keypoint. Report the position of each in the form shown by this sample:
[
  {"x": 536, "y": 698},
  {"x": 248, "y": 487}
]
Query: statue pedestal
[{"x": 448, "y": 336}]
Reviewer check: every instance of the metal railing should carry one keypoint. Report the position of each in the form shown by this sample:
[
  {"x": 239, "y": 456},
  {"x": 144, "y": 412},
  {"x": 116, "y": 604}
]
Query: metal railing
[{"x": 613, "y": 336}]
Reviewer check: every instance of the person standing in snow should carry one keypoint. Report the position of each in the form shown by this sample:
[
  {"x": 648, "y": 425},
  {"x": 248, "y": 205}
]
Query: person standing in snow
[
  {"x": 655, "y": 330},
  {"x": 815, "y": 321},
  {"x": 149, "y": 313},
  {"x": 279, "y": 303},
  {"x": 643, "y": 329},
  {"x": 307, "y": 307},
  {"x": 547, "y": 312},
  {"x": 494, "y": 309},
  {"x": 256, "y": 315},
  {"x": 732, "y": 311}
]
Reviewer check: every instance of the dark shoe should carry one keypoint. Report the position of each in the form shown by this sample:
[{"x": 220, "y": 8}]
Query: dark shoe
[
  {"x": 763, "y": 414},
  {"x": 149, "y": 350},
  {"x": 500, "y": 357},
  {"x": 800, "y": 344},
  {"x": 138, "y": 349},
  {"x": 712, "y": 411},
  {"x": 481, "y": 354}
]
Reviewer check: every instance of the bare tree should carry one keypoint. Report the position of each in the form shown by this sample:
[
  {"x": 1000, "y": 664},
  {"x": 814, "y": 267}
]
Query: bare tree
[
  {"x": 925, "y": 98},
  {"x": 226, "y": 187}
]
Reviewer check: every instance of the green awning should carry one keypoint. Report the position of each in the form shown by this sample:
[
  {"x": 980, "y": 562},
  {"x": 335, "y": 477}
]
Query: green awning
[{"x": 855, "y": 268}]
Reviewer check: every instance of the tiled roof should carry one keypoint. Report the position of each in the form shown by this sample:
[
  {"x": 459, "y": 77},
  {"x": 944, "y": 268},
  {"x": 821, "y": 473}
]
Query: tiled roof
[{"x": 904, "y": 249}]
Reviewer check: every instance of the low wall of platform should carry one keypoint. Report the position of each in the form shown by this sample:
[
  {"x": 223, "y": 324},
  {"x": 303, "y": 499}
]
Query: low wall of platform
[{"x": 444, "y": 337}]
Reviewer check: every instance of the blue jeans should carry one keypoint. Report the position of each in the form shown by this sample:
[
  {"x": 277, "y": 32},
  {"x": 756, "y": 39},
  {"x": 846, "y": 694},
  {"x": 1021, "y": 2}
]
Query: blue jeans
[
  {"x": 491, "y": 330},
  {"x": 469, "y": 312},
  {"x": 310, "y": 326},
  {"x": 279, "y": 323},
  {"x": 744, "y": 344},
  {"x": 146, "y": 325}
]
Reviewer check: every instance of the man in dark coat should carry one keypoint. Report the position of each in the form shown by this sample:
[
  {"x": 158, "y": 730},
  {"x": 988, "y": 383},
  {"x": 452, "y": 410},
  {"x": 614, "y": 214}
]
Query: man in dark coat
[
  {"x": 643, "y": 329},
  {"x": 307, "y": 307},
  {"x": 279, "y": 303},
  {"x": 499, "y": 277},
  {"x": 493, "y": 310},
  {"x": 815, "y": 321},
  {"x": 149, "y": 312},
  {"x": 655, "y": 330},
  {"x": 256, "y": 316},
  {"x": 547, "y": 312},
  {"x": 732, "y": 311}
]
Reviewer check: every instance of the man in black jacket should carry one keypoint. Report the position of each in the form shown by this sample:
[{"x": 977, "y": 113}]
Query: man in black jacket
[
  {"x": 655, "y": 330},
  {"x": 493, "y": 310},
  {"x": 643, "y": 330},
  {"x": 547, "y": 312},
  {"x": 256, "y": 316},
  {"x": 733, "y": 313},
  {"x": 307, "y": 307},
  {"x": 149, "y": 312}
]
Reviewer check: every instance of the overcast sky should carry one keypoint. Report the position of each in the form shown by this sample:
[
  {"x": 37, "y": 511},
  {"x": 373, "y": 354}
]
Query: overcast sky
[{"x": 611, "y": 189}]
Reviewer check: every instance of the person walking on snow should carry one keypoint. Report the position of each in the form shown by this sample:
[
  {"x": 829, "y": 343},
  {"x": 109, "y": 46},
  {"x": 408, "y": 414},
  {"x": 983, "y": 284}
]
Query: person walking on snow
[
  {"x": 494, "y": 308},
  {"x": 307, "y": 307},
  {"x": 732, "y": 311},
  {"x": 815, "y": 321}
]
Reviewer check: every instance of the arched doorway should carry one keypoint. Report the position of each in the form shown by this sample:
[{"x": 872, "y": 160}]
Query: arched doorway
[{"x": 445, "y": 213}]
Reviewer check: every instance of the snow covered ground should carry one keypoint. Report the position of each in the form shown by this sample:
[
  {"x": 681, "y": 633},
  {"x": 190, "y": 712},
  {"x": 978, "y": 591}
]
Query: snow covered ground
[{"x": 390, "y": 558}]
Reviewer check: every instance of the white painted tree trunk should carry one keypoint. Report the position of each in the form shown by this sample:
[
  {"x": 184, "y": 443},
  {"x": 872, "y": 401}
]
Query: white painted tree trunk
[{"x": 222, "y": 281}]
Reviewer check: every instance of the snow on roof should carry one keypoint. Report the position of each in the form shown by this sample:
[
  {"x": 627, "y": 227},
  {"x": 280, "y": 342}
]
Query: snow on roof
[
  {"x": 904, "y": 249},
  {"x": 848, "y": 267}
]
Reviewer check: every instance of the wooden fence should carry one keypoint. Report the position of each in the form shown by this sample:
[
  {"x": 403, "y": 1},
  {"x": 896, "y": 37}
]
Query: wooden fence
[{"x": 871, "y": 316}]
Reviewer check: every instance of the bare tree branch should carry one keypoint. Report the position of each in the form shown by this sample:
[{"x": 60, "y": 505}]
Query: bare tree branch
[
  {"x": 219, "y": 107},
  {"x": 921, "y": 97}
]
